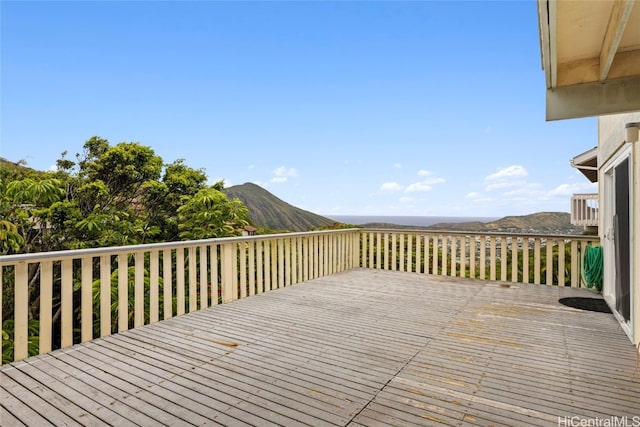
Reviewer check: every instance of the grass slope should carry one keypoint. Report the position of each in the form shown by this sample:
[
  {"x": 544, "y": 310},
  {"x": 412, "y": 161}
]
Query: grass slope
[{"x": 266, "y": 210}]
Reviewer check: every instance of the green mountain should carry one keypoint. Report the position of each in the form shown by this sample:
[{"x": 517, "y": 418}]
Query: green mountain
[{"x": 266, "y": 210}]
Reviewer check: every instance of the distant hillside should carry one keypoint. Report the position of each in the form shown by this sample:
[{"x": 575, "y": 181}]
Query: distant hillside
[
  {"x": 541, "y": 222},
  {"x": 266, "y": 210}
]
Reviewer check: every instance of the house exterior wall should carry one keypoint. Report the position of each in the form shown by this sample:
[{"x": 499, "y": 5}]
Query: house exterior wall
[{"x": 611, "y": 146}]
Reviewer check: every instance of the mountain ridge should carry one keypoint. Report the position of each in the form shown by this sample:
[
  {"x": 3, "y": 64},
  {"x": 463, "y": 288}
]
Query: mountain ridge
[
  {"x": 538, "y": 222},
  {"x": 268, "y": 211}
]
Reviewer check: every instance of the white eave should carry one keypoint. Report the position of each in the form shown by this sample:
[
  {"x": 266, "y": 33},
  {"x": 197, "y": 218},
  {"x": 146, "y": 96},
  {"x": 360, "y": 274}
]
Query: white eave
[
  {"x": 591, "y": 56},
  {"x": 587, "y": 163}
]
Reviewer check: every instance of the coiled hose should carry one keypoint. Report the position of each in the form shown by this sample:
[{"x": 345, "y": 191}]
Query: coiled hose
[{"x": 592, "y": 267}]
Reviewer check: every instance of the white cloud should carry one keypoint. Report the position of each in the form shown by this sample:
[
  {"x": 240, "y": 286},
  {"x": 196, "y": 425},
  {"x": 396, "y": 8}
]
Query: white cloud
[
  {"x": 473, "y": 195},
  {"x": 391, "y": 186},
  {"x": 53, "y": 168},
  {"x": 284, "y": 171},
  {"x": 251, "y": 166},
  {"x": 406, "y": 199},
  {"x": 504, "y": 184},
  {"x": 418, "y": 186},
  {"x": 425, "y": 184},
  {"x": 282, "y": 174},
  {"x": 571, "y": 189},
  {"x": 433, "y": 181},
  {"x": 514, "y": 171},
  {"x": 397, "y": 165}
]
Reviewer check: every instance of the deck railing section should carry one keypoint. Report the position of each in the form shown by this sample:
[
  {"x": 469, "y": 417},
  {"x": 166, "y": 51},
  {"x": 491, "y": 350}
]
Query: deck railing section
[
  {"x": 56, "y": 299},
  {"x": 584, "y": 210},
  {"x": 524, "y": 258}
]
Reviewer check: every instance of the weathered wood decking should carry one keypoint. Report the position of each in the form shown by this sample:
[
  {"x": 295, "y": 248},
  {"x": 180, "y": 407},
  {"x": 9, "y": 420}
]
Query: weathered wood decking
[{"x": 363, "y": 347}]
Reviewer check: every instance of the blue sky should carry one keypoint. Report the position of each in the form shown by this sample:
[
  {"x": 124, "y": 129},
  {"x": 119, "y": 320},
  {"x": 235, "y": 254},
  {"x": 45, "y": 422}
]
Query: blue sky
[{"x": 346, "y": 108}]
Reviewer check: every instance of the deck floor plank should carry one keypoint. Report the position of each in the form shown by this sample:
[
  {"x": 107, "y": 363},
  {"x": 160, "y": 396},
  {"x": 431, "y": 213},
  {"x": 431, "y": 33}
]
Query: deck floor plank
[{"x": 357, "y": 348}]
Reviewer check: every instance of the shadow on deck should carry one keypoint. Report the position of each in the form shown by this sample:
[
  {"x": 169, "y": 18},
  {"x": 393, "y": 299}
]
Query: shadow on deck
[{"x": 363, "y": 347}]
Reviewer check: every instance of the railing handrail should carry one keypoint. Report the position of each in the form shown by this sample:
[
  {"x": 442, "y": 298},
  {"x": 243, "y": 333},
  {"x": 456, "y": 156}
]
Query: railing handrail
[
  {"x": 79, "y": 253},
  {"x": 586, "y": 195}
]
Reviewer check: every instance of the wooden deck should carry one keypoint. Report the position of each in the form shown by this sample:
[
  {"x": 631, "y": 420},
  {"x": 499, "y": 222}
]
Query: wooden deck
[{"x": 359, "y": 348}]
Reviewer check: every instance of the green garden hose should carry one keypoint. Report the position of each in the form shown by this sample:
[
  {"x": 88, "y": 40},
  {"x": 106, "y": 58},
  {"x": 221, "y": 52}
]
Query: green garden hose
[{"x": 592, "y": 267}]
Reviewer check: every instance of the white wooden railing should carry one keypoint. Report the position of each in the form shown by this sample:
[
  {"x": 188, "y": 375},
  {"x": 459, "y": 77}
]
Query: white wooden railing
[
  {"x": 584, "y": 210},
  {"x": 523, "y": 258},
  {"x": 81, "y": 291},
  {"x": 57, "y": 299}
]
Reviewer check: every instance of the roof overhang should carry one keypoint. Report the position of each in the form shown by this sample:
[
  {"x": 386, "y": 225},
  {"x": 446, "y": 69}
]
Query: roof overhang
[
  {"x": 590, "y": 56},
  {"x": 587, "y": 163}
]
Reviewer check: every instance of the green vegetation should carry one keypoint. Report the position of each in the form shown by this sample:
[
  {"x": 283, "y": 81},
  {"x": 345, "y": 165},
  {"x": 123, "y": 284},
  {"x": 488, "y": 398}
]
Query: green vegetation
[{"x": 111, "y": 196}]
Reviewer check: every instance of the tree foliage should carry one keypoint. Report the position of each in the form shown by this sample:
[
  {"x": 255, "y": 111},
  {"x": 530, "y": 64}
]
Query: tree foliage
[{"x": 111, "y": 195}]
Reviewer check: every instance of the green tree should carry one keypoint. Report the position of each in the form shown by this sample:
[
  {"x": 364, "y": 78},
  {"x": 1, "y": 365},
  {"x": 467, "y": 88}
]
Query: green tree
[{"x": 209, "y": 213}]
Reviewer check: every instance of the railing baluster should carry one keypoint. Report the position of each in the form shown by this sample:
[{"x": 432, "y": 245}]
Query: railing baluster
[
  {"x": 401, "y": 254},
  {"x": 266, "y": 250},
  {"x": 138, "y": 290},
  {"x": 228, "y": 282},
  {"x": 435, "y": 249},
  {"x": 454, "y": 256},
  {"x": 492, "y": 258},
  {"x": 525, "y": 260},
  {"x": 514, "y": 259},
  {"x": 86, "y": 299},
  {"x": 154, "y": 285},
  {"x": 286, "y": 247},
  {"x": 561, "y": 260},
  {"x": 536, "y": 260},
  {"x": 243, "y": 269},
  {"x": 46, "y": 305},
  {"x": 550, "y": 263},
  {"x": 180, "y": 272},
  {"x": 193, "y": 279},
  {"x": 66, "y": 302},
  {"x": 21, "y": 310},
  {"x": 503, "y": 259},
  {"x": 281, "y": 259},
  {"x": 260, "y": 267},
  {"x": 472, "y": 256},
  {"x": 463, "y": 256},
  {"x": 483, "y": 260},
  {"x": 167, "y": 283},
  {"x": 204, "y": 282},
  {"x": 252, "y": 267}
]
